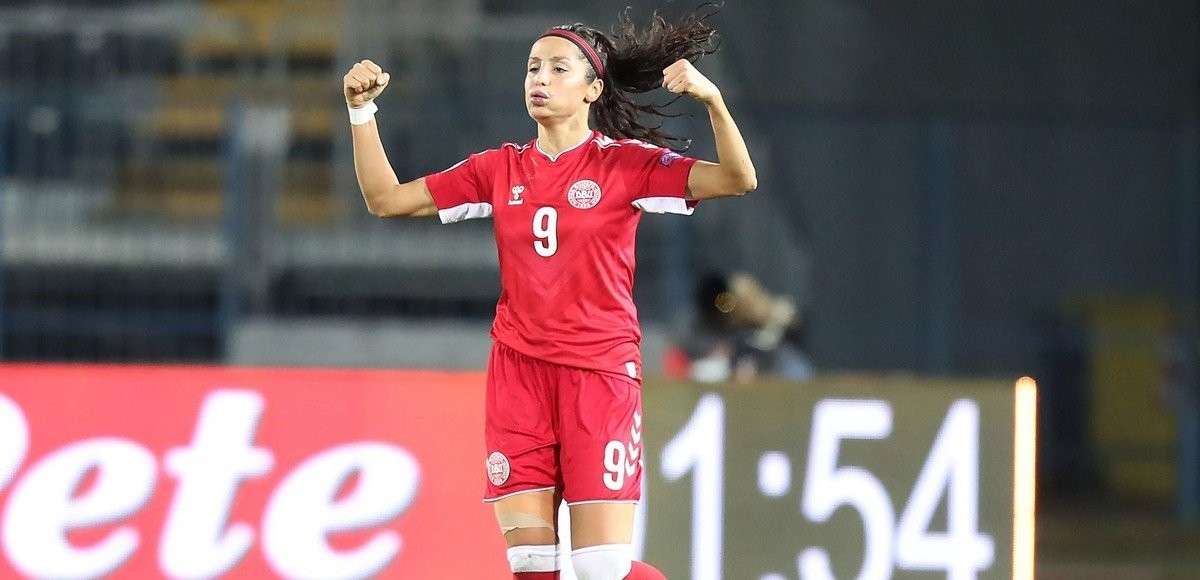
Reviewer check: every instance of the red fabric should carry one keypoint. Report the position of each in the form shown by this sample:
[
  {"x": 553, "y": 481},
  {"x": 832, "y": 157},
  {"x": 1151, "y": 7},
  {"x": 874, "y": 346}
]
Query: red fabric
[
  {"x": 565, "y": 231},
  {"x": 552, "y": 426},
  {"x": 536, "y": 575},
  {"x": 644, "y": 571}
]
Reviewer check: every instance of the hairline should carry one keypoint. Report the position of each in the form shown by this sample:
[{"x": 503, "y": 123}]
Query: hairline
[
  {"x": 557, "y": 58},
  {"x": 578, "y": 54}
]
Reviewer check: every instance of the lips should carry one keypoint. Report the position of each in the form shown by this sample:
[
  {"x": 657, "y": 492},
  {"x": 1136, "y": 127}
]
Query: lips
[{"x": 538, "y": 97}]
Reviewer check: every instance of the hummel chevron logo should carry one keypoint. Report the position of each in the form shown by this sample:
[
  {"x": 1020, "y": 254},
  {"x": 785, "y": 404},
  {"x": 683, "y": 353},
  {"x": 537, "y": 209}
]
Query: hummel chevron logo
[{"x": 634, "y": 448}]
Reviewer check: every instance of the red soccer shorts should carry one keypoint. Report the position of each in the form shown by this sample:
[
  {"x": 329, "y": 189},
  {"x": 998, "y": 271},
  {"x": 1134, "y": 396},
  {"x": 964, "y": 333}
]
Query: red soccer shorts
[{"x": 550, "y": 426}]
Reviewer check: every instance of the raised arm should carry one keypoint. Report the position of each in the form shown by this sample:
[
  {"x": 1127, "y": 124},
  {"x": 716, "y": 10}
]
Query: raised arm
[
  {"x": 382, "y": 191},
  {"x": 733, "y": 173}
]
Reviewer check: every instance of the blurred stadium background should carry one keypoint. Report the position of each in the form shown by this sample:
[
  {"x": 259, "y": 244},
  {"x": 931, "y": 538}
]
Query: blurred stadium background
[{"x": 982, "y": 189}]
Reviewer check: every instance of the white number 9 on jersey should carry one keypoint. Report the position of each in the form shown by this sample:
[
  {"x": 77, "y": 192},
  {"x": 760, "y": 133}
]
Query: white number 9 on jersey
[{"x": 545, "y": 228}]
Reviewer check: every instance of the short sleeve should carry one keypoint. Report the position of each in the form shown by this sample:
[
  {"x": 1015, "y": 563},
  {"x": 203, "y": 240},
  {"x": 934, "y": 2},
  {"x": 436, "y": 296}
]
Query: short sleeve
[
  {"x": 663, "y": 184},
  {"x": 462, "y": 192}
]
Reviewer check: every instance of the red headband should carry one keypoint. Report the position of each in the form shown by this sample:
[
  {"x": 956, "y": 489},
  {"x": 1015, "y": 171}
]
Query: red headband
[{"x": 588, "y": 51}]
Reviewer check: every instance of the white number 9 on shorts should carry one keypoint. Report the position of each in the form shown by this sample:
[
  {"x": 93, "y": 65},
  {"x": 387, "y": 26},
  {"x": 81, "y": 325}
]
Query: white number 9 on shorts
[{"x": 621, "y": 461}]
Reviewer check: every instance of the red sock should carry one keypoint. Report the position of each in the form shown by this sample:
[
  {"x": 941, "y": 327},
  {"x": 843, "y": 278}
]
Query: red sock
[
  {"x": 536, "y": 575},
  {"x": 644, "y": 571}
]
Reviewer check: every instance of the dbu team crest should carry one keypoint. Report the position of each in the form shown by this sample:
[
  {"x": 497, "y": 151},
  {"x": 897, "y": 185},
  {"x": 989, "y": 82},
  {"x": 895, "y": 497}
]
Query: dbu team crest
[
  {"x": 584, "y": 194},
  {"x": 498, "y": 468}
]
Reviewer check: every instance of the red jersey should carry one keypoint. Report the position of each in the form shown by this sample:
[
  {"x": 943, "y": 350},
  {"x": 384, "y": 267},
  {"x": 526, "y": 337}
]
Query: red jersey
[{"x": 565, "y": 229}]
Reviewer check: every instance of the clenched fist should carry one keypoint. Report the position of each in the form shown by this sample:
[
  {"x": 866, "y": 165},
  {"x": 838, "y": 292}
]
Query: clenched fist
[
  {"x": 683, "y": 78},
  {"x": 363, "y": 83}
]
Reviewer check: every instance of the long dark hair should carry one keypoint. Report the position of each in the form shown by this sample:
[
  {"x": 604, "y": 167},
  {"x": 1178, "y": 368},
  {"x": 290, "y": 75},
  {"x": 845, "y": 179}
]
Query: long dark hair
[{"x": 633, "y": 64}]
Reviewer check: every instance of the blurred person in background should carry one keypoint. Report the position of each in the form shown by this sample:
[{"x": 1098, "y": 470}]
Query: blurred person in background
[
  {"x": 564, "y": 375},
  {"x": 741, "y": 331}
]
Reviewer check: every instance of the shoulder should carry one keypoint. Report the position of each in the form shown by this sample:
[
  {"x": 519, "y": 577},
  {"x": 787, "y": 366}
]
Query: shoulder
[
  {"x": 637, "y": 152},
  {"x": 626, "y": 148},
  {"x": 493, "y": 155},
  {"x": 504, "y": 150}
]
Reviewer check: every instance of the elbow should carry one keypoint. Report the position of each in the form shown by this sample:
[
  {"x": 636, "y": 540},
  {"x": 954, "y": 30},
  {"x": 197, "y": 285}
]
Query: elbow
[
  {"x": 381, "y": 212},
  {"x": 744, "y": 183},
  {"x": 377, "y": 210},
  {"x": 750, "y": 184}
]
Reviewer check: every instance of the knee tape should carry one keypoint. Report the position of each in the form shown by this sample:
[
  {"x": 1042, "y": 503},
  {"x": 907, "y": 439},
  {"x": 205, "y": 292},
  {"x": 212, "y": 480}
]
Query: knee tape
[
  {"x": 606, "y": 562},
  {"x": 533, "y": 558},
  {"x": 510, "y": 521}
]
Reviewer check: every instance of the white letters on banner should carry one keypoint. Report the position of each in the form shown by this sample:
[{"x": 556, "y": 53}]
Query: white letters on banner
[
  {"x": 194, "y": 542},
  {"x": 197, "y": 539},
  {"x": 303, "y": 511},
  {"x": 41, "y": 509}
]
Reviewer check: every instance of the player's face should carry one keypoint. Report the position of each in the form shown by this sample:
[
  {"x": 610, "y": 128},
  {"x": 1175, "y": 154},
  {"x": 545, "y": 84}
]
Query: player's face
[{"x": 556, "y": 83}]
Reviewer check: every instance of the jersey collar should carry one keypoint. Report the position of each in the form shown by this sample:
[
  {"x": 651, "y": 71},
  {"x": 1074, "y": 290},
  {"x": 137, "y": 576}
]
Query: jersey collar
[{"x": 591, "y": 135}]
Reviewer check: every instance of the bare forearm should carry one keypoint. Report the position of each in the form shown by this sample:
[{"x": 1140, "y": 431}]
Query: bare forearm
[
  {"x": 376, "y": 178},
  {"x": 384, "y": 194},
  {"x": 732, "y": 154},
  {"x": 733, "y": 173}
]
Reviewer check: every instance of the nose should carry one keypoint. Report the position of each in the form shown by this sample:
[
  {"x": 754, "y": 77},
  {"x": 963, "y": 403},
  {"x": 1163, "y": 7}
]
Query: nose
[{"x": 542, "y": 78}]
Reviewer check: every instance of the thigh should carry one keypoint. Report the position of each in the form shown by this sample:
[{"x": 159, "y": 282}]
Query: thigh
[
  {"x": 601, "y": 523},
  {"x": 529, "y": 519},
  {"x": 521, "y": 446},
  {"x": 600, "y": 438}
]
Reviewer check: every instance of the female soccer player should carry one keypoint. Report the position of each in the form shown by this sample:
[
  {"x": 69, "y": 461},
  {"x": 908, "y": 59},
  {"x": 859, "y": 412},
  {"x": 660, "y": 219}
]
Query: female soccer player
[{"x": 564, "y": 375}]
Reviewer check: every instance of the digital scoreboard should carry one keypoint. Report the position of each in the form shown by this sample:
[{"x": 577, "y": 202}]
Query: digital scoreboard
[{"x": 847, "y": 477}]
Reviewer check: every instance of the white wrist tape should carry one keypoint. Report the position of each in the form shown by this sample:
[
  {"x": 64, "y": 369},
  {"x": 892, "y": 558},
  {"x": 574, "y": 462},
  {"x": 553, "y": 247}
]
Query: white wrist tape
[{"x": 362, "y": 115}]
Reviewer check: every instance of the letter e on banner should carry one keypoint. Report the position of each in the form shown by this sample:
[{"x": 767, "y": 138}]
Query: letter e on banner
[
  {"x": 305, "y": 510},
  {"x": 43, "y": 508}
]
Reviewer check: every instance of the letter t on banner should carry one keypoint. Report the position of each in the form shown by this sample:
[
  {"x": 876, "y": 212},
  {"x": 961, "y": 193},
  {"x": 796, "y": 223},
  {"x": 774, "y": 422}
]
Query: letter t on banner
[{"x": 222, "y": 454}]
